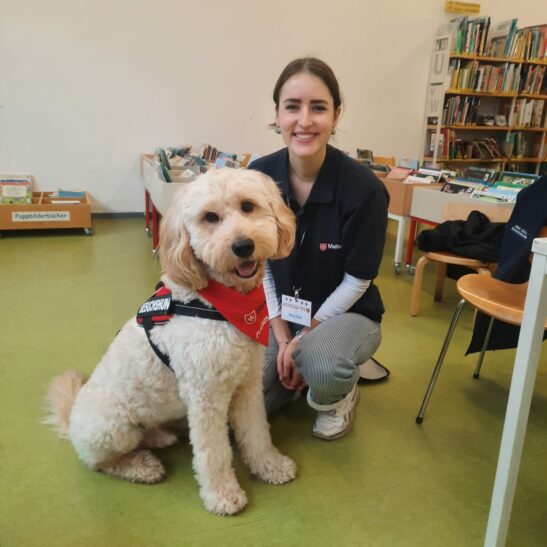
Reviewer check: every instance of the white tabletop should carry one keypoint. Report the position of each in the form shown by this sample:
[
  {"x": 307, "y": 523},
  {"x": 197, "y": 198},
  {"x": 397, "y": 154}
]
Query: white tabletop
[{"x": 520, "y": 398}]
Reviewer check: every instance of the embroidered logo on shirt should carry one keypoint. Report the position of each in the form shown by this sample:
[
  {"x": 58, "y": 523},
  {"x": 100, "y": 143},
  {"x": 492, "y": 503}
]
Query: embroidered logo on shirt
[
  {"x": 331, "y": 246},
  {"x": 250, "y": 318}
]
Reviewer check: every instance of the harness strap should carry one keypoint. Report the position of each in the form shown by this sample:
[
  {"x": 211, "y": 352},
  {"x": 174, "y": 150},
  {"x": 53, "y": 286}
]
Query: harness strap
[
  {"x": 196, "y": 308},
  {"x": 160, "y": 315},
  {"x": 148, "y": 325}
]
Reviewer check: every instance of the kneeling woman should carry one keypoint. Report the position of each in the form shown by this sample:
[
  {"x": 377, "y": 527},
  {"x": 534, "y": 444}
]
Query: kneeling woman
[{"x": 331, "y": 307}]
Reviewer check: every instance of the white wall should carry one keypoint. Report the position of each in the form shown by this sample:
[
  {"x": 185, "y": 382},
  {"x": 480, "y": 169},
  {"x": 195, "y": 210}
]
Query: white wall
[{"x": 85, "y": 87}]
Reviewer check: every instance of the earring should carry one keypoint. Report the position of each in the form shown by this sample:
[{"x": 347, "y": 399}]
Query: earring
[
  {"x": 333, "y": 131},
  {"x": 277, "y": 129}
]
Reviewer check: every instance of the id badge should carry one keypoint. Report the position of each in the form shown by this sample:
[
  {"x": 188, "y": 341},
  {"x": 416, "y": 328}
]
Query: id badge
[{"x": 296, "y": 310}]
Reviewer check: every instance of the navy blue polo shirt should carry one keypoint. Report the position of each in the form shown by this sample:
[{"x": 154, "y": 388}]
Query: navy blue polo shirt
[{"x": 341, "y": 228}]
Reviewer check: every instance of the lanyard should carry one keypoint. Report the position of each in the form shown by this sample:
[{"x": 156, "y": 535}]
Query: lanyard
[{"x": 296, "y": 261}]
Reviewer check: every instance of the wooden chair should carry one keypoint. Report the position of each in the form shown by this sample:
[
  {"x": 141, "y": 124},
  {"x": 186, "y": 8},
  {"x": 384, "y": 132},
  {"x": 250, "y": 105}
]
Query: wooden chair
[
  {"x": 497, "y": 299},
  {"x": 453, "y": 211}
]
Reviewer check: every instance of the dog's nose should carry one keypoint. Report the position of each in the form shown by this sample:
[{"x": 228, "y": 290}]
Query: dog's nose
[{"x": 243, "y": 247}]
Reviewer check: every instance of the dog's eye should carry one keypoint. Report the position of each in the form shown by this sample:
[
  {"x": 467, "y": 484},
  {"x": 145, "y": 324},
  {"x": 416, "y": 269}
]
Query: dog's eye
[
  {"x": 247, "y": 206},
  {"x": 211, "y": 217}
]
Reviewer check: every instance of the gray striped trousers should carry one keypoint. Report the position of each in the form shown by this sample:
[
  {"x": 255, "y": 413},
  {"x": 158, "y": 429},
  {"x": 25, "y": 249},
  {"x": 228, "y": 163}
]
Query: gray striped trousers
[{"x": 328, "y": 359}]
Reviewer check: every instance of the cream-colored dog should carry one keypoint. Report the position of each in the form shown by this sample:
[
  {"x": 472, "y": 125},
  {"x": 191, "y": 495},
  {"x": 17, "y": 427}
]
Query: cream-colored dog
[{"x": 222, "y": 226}]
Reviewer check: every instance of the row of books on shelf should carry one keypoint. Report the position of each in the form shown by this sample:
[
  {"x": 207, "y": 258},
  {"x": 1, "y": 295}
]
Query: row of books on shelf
[
  {"x": 533, "y": 79},
  {"x": 448, "y": 146},
  {"x": 464, "y": 110},
  {"x": 525, "y": 113},
  {"x": 495, "y": 78},
  {"x": 460, "y": 110},
  {"x": 516, "y": 145},
  {"x": 480, "y": 37}
]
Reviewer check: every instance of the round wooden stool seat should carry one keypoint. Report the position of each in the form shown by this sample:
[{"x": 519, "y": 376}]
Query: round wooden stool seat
[{"x": 451, "y": 258}]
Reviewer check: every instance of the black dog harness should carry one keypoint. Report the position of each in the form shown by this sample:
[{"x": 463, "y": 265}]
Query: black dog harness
[{"x": 160, "y": 308}]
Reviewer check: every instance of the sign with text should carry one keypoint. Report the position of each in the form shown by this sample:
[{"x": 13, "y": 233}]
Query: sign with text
[
  {"x": 40, "y": 216},
  {"x": 461, "y": 7}
]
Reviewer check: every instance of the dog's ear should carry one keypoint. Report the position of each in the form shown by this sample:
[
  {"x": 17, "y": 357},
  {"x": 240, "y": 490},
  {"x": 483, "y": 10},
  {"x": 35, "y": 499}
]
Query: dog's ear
[
  {"x": 175, "y": 252},
  {"x": 284, "y": 218}
]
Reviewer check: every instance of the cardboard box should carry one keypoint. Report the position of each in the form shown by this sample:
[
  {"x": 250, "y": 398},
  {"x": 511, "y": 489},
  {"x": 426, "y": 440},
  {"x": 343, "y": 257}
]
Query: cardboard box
[
  {"x": 401, "y": 195},
  {"x": 15, "y": 189}
]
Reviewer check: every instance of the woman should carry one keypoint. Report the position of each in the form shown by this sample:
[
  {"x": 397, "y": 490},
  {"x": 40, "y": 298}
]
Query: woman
[{"x": 328, "y": 322}]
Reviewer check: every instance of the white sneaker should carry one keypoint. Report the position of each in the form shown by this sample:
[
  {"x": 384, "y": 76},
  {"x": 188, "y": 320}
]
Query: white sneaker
[{"x": 335, "y": 421}]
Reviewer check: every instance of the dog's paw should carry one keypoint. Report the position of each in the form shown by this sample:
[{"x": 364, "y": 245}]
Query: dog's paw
[
  {"x": 275, "y": 468},
  {"x": 139, "y": 466},
  {"x": 149, "y": 469},
  {"x": 158, "y": 438},
  {"x": 225, "y": 501}
]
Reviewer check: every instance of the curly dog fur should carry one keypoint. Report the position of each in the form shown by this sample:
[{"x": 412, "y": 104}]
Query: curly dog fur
[{"x": 117, "y": 415}]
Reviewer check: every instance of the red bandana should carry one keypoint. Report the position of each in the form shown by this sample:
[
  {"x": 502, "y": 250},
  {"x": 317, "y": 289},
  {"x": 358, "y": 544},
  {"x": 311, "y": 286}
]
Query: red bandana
[{"x": 247, "y": 312}]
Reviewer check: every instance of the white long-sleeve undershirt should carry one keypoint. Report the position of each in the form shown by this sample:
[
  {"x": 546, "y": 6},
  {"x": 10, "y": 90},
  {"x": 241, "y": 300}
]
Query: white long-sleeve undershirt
[
  {"x": 339, "y": 301},
  {"x": 274, "y": 306}
]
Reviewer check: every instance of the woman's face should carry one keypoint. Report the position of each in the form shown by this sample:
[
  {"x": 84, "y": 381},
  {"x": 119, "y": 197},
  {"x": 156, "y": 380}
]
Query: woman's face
[{"x": 306, "y": 115}]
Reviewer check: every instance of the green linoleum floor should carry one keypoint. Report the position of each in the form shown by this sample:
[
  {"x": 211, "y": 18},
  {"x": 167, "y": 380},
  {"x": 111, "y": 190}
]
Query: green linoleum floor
[{"x": 63, "y": 296}]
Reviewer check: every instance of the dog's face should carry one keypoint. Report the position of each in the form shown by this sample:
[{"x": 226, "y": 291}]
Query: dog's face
[{"x": 224, "y": 225}]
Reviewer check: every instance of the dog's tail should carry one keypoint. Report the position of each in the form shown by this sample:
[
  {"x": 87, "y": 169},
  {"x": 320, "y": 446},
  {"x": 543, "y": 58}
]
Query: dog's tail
[{"x": 60, "y": 397}]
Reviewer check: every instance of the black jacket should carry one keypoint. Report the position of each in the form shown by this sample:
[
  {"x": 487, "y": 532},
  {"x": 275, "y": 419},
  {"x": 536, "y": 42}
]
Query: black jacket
[{"x": 475, "y": 237}]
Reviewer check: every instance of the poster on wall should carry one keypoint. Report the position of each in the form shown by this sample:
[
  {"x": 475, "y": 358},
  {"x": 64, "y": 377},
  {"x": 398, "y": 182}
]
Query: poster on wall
[{"x": 437, "y": 76}]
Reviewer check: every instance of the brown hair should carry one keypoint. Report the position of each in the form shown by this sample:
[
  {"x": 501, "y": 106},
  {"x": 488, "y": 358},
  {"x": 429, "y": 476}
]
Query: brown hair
[{"x": 313, "y": 66}]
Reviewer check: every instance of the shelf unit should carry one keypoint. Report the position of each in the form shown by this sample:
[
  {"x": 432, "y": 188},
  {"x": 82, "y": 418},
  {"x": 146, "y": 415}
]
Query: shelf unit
[
  {"x": 441, "y": 137},
  {"x": 47, "y": 211}
]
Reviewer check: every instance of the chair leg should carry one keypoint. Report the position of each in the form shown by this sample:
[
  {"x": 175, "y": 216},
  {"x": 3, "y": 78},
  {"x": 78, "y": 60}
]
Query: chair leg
[
  {"x": 439, "y": 364},
  {"x": 417, "y": 285},
  {"x": 483, "y": 350},
  {"x": 441, "y": 275}
]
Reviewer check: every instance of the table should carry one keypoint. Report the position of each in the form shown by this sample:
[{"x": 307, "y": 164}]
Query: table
[
  {"x": 520, "y": 396},
  {"x": 398, "y": 256},
  {"x": 157, "y": 197},
  {"x": 399, "y": 210}
]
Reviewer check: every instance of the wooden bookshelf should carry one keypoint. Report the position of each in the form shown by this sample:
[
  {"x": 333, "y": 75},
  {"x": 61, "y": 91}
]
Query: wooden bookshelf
[
  {"x": 489, "y": 128},
  {"x": 481, "y": 93},
  {"x": 528, "y": 96},
  {"x": 461, "y": 96},
  {"x": 485, "y": 59}
]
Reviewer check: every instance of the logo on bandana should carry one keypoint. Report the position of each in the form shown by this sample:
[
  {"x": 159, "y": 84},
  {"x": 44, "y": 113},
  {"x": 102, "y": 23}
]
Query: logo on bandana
[
  {"x": 250, "y": 318},
  {"x": 323, "y": 246}
]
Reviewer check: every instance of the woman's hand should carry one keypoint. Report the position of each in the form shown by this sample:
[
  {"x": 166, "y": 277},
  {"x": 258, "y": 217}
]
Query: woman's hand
[{"x": 286, "y": 367}]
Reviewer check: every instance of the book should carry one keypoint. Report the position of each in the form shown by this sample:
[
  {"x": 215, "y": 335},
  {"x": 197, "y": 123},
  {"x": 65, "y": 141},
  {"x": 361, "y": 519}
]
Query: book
[
  {"x": 495, "y": 195},
  {"x": 419, "y": 179},
  {"x": 460, "y": 186},
  {"x": 516, "y": 178},
  {"x": 399, "y": 173},
  {"x": 500, "y": 34},
  {"x": 480, "y": 174},
  {"x": 537, "y": 113},
  {"x": 410, "y": 163},
  {"x": 70, "y": 194}
]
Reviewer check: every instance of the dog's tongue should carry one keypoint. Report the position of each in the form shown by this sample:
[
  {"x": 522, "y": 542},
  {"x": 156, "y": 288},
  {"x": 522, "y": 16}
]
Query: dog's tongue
[{"x": 246, "y": 269}]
